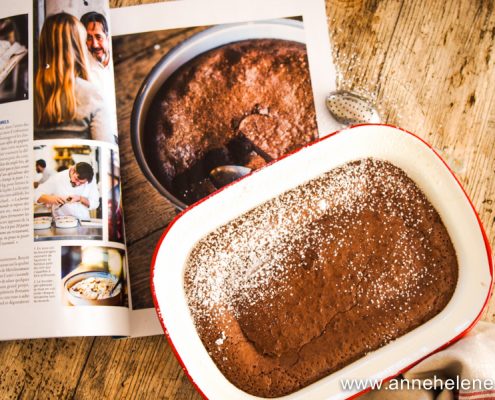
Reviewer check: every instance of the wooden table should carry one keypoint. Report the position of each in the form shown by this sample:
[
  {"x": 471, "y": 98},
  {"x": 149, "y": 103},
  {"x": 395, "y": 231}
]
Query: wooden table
[{"x": 430, "y": 67}]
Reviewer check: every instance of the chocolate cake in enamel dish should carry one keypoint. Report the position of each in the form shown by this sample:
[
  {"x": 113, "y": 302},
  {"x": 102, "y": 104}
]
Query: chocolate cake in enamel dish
[{"x": 319, "y": 276}]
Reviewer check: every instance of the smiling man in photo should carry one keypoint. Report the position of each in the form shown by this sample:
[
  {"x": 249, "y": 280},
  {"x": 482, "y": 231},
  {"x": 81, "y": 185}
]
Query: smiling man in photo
[
  {"x": 99, "y": 47},
  {"x": 97, "y": 40}
]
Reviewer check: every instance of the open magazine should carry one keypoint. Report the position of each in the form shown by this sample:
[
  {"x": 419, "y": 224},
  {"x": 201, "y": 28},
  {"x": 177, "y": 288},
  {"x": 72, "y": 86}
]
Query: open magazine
[{"x": 135, "y": 109}]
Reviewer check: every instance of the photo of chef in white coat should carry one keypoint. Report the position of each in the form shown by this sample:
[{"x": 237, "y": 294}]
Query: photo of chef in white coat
[{"x": 71, "y": 192}]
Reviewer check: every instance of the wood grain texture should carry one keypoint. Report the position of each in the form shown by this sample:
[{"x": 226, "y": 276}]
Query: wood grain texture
[
  {"x": 42, "y": 368},
  {"x": 143, "y": 368},
  {"x": 429, "y": 65}
]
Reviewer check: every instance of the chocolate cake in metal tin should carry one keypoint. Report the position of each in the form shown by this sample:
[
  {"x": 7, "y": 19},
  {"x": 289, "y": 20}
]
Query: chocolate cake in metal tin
[{"x": 244, "y": 103}]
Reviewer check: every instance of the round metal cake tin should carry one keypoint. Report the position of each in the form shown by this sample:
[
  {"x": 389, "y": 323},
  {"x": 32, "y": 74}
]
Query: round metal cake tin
[
  {"x": 195, "y": 45},
  {"x": 403, "y": 149}
]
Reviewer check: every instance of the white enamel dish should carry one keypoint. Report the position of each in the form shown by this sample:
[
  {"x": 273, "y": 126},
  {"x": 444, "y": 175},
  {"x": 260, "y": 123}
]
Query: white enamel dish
[{"x": 402, "y": 149}]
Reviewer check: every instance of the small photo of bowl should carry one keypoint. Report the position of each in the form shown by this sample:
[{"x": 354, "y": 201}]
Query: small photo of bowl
[
  {"x": 66, "y": 221},
  {"x": 93, "y": 288},
  {"x": 42, "y": 223}
]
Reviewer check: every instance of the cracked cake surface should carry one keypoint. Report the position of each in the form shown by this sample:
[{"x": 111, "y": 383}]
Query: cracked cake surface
[
  {"x": 316, "y": 278},
  {"x": 243, "y": 103}
]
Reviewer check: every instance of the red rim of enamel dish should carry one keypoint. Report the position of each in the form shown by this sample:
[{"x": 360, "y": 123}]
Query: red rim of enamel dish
[{"x": 455, "y": 339}]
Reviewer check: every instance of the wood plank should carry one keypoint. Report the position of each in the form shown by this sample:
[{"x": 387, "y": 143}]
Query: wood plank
[
  {"x": 141, "y": 253},
  {"x": 143, "y": 368},
  {"x": 42, "y": 368},
  {"x": 154, "y": 44}
]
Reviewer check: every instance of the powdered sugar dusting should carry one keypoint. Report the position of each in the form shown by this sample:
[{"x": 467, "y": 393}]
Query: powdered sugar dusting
[
  {"x": 241, "y": 261},
  {"x": 315, "y": 278}
]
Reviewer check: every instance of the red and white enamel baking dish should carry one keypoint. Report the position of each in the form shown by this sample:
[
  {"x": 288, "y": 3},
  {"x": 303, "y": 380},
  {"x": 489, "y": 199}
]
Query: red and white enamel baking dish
[{"x": 401, "y": 148}]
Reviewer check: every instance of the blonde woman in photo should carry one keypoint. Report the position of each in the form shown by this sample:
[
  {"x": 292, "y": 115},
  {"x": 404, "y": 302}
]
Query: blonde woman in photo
[{"x": 67, "y": 103}]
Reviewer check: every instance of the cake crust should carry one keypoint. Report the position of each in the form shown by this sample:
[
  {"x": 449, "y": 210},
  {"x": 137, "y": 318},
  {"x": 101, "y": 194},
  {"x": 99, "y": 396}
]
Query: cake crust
[
  {"x": 244, "y": 103},
  {"x": 316, "y": 278}
]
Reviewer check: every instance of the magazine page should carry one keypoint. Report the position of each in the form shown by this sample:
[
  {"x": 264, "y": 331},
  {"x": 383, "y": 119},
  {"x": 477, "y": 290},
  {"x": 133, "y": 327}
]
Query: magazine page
[
  {"x": 63, "y": 263},
  {"x": 201, "y": 85}
]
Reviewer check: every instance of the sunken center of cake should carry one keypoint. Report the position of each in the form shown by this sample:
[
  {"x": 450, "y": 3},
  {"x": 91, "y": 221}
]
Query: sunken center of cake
[
  {"x": 244, "y": 103},
  {"x": 317, "y": 277}
]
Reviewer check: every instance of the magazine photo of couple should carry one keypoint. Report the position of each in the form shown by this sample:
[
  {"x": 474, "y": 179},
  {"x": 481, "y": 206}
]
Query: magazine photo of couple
[{"x": 74, "y": 95}]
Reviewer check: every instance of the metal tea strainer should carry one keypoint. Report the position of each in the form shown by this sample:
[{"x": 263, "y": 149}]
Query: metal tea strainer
[{"x": 349, "y": 108}]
